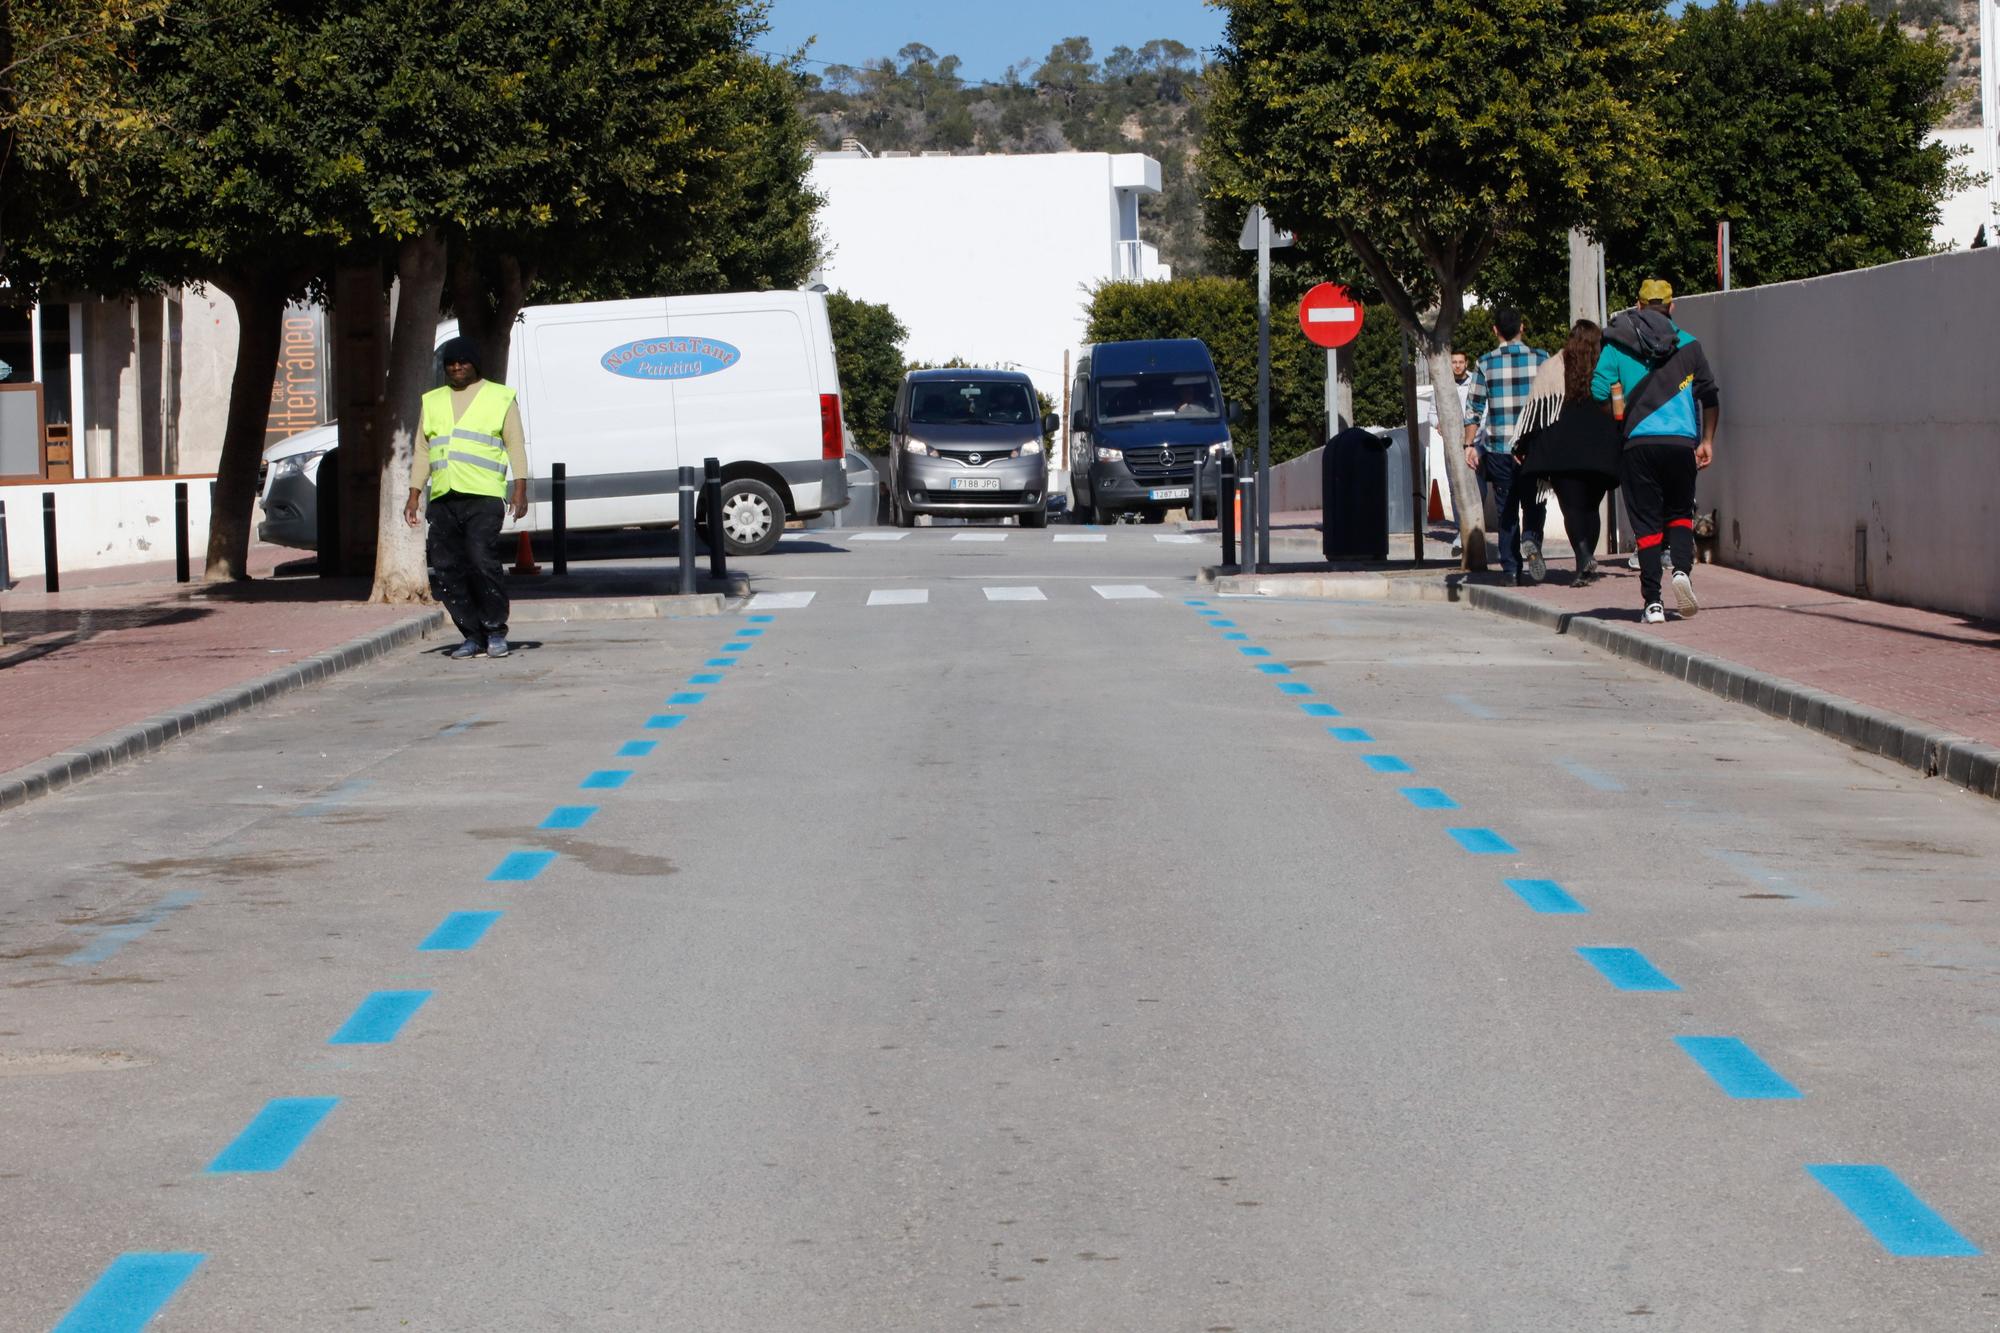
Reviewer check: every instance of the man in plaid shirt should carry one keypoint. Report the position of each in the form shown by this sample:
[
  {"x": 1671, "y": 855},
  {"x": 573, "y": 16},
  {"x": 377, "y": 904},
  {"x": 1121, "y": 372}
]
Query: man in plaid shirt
[{"x": 1496, "y": 391}]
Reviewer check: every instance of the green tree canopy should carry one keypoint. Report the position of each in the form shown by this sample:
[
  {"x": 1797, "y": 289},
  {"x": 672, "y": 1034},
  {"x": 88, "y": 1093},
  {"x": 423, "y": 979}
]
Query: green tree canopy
[
  {"x": 868, "y": 349},
  {"x": 1418, "y": 137}
]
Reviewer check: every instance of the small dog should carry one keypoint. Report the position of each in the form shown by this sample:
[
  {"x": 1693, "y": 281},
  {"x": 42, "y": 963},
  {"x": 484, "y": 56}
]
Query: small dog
[{"x": 1705, "y": 530}]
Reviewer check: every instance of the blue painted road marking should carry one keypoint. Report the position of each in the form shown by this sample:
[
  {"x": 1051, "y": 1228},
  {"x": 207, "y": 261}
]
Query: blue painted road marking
[
  {"x": 760, "y": 620},
  {"x": 636, "y": 749},
  {"x": 130, "y": 1292},
  {"x": 379, "y": 1018},
  {"x": 1589, "y": 777},
  {"x": 1545, "y": 895},
  {"x": 750, "y": 633},
  {"x": 665, "y": 721},
  {"x": 1469, "y": 708},
  {"x": 568, "y": 816},
  {"x": 606, "y": 779},
  {"x": 1483, "y": 841},
  {"x": 1274, "y": 668},
  {"x": 1428, "y": 798},
  {"x": 1350, "y": 735},
  {"x": 1903, "y": 1223},
  {"x": 333, "y": 800},
  {"x": 1627, "y": 969},
  {"x": 738, "y": 646},
  {"x": 277, "y": 1132},
  {"x": 684, "y": 699},
  {"x": 1222, "y": 624},
  {"x": 1385, "y": 763},
  {"x": 1193, "y": 601},
  {"x": 1319, "y": 710},
  {"x": 1736, "y": 1069},
  {"x": 111, "y": 939},
  {"x": 458, "y": 932},
  {"x": 1236, "y": 636},
  {"x": 1294, "y": 687},
  {"x": 520, "y": 866},
  {"x": 705, "y": 678},
  {"x": 720, "y": 661},
  {"x": 1255, "y": 652}
]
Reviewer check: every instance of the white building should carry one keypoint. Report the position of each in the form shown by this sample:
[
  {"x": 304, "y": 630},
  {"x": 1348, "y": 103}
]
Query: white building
[
  {"x": 1961, "y": 215},
  {"x": 986, "y": 258}
]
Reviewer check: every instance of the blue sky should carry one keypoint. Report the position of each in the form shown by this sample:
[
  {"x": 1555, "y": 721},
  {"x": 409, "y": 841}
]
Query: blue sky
[{"x": 987, "y": 37}]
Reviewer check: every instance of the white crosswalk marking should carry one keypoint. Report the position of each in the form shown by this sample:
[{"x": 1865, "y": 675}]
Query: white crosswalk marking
[
  {"x": 1122, "y": 592},
  {"x": 899, "y": 596},
  {"x": 781, "y": 601},
  {"x": 1015, "y": 595},
  {"x": 878, "y": 536},
  {"x": 980, "y": 537},
  {"x": 1079, "y": 536},
  {"x": 1176, "y": 538}
]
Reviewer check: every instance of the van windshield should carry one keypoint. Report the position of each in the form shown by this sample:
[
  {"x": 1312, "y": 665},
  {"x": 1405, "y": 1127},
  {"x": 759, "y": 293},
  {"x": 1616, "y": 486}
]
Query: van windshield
[
  {"x": 1189, "y": 396},
  {"x": 970, "y": 402}
]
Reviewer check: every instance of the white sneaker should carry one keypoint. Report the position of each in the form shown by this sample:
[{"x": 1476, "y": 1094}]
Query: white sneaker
[
  {"x": 1655, "y": 614},
  {"x": 1684, "y": 594},
  {"x": 1538, "y": 568}
]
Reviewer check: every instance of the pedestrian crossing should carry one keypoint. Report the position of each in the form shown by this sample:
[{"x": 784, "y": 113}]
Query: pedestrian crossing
[{"x": 958, "y": 593}]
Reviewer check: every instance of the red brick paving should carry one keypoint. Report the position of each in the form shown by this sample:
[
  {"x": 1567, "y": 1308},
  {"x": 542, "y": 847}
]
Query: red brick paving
[
  {"x": 90, "y": 660},
  {"x": 1934, "y": 667}
]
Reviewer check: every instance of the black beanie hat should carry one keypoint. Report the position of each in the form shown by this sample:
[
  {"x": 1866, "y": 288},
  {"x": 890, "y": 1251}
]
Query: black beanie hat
[{"x": 460, "y": 348}]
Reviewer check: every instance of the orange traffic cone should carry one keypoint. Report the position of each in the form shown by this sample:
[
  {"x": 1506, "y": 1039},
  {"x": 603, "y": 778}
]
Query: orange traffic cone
[
  {"x": 524, "y": 556},
  {"x": 1437, "y": 503}
]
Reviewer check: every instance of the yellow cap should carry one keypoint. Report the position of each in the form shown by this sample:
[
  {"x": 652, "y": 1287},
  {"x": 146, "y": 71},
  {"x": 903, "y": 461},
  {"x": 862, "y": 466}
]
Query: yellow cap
[{"x": 1656, "y": 289}]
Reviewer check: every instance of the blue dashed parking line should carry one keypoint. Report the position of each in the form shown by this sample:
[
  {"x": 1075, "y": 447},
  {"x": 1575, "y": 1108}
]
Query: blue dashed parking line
[
  {"x": 1350, "y": 735},
  {"x": 1627, "y": 969},
  {"x": 1482, "y": 841},
  {"x": 1428, "y": 798},
  {"x": 1546, "y": 896},
  {"x": 517, "y": 866},
  {"x": 684, "y": 699},
  {"x": 136, "y": 1287},
  {"x": 273, "y": 1135},
  {"x": 459, "y": 932},
  {"x": 665, "y": 721},
  {"x": 1904, "y": 1224},
  {"x": 1386, "y": 763},
  {"x": 606, "y": 779},
  {"x": 380, "y": 1018},
  {"x": 1319, "y": 710},
  {"x": 1739, "y": 1071},
  {"x": 1294, "y": 687}
]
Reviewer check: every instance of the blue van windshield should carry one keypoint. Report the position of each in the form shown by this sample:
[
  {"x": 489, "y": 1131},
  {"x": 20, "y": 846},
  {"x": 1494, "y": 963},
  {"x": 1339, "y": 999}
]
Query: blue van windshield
[
  {"x": 970, "y": 402},
  {"x": 1187, "y": 396}
]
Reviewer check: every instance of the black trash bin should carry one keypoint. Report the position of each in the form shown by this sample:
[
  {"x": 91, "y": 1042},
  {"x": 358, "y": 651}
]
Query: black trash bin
[{"x": 1354, "y": 496}]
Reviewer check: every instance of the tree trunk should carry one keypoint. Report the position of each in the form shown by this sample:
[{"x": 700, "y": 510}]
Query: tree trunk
[
  {"x": 260, "y": 316},
  {"x": 1464, "y": 482},
  {"x": 487, "y": 296},
  {"x": 399, "y": 548}
]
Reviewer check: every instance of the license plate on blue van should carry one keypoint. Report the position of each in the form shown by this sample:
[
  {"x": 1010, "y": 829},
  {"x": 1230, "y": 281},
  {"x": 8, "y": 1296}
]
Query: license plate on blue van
[
  {"x": 978, "y": 484},
  {"x": 1168, "y": 493}
]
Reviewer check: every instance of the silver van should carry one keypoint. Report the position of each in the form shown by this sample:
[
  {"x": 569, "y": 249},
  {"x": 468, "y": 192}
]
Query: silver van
[{"x": 968, "y": 444}]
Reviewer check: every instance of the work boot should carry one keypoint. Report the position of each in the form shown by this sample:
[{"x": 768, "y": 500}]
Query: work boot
[{"x": 469, "y": 649}]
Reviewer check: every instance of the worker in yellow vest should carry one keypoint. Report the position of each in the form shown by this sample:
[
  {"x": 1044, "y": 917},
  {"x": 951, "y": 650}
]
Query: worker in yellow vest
[{"x": 471, "y": 430}]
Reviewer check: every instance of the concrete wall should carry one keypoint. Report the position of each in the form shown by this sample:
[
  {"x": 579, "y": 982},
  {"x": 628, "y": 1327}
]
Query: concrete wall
[
  {"x": 102, "y": 523},
  {"x": 156, "y": 373},
  {"x": 989, "y": 258},
  {"x": 1866, "y": 401}
]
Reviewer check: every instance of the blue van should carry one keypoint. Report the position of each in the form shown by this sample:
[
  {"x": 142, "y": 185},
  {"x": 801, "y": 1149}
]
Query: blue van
[{"x": 1147, "y": 424}]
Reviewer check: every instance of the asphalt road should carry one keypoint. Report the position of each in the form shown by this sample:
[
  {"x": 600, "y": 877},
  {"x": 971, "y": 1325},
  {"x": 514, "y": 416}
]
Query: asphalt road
[{"x": 1007, "y": 937}]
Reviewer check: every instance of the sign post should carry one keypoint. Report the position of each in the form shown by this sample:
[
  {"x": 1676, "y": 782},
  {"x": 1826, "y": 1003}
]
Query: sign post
[{"x": 1259, "y": 235}]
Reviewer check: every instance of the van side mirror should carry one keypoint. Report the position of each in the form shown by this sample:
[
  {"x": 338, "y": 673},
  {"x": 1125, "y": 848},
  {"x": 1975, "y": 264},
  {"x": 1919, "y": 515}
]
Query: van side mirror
[
  {"x": 1233, "y": 411},
  {"x": 1051, "y": 423},
  {"x": 889, "y": 421},
  {"x": 1078, "y": 420}
]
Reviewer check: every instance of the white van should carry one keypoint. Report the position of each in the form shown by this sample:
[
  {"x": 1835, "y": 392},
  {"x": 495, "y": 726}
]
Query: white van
[{"x": 622, "y": 393}]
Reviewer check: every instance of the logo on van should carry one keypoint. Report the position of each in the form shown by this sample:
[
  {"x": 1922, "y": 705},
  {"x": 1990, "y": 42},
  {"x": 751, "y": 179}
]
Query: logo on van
[{"x": 678, "y": 358}]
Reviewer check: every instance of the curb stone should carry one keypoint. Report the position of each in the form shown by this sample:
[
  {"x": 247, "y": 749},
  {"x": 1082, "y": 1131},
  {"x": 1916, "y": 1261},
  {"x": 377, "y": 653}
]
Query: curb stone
[
  {"x": 102, "y": 753},
  {"x": 1930, "y": 750}
]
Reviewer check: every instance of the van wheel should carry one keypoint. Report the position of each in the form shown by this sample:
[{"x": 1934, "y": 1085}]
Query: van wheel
[
  {"x": 899, "y": 513},
  {"x": 753, "y": 517}
]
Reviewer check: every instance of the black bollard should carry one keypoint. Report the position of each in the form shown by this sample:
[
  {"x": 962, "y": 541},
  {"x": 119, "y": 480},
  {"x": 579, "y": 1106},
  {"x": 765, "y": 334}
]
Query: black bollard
[
  {"x": 687, "y": 531},
  {"x": 559, "y": 511},
  {"x": 51, "y": 577},
  {"x": 180, "y": 532},
  {"x": 711, "y": 488},
  {"x": 1225, "y": 510},
  {"x": 1246, "y": 486},
  {"x": 6, "y": 577}
]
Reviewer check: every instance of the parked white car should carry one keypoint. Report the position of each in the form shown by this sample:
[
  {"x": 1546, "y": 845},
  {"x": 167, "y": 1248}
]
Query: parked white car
[{"x": 622, "y": 393}]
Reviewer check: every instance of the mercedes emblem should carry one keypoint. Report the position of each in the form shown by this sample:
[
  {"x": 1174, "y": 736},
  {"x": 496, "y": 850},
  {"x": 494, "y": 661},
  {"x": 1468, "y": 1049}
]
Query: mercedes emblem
[{"x": 1166, "y": 458}]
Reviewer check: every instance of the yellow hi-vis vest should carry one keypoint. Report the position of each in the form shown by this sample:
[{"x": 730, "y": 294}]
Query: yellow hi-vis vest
[{"x": 468, "y": 457}]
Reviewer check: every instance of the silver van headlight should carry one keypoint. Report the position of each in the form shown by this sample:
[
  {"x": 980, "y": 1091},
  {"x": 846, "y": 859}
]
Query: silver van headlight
[{"x": 299, "y": 465}]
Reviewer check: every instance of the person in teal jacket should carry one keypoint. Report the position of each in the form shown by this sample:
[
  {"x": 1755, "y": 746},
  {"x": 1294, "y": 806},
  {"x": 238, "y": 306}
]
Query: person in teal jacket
[{"x": 1658, "y": 381}]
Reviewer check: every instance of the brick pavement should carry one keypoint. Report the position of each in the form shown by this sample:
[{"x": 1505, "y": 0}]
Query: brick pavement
[
  {"x": 108, "y": 651},
  {"x": 1934, "y": 667}
]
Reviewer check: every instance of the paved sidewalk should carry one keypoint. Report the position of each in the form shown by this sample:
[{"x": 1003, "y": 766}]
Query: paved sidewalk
[{"x": 80, "y": 664}]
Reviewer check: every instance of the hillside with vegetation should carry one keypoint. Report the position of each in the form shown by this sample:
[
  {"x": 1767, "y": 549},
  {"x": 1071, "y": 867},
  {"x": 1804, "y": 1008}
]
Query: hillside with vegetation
[{"x": 1147, "y": 101}]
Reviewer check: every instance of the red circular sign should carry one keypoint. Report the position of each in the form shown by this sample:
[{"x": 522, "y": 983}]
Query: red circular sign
[{"x": 1329, "y": 316}]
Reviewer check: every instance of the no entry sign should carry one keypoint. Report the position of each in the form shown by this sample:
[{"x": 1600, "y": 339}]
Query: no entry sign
[{"x": 1329, "y": 316}]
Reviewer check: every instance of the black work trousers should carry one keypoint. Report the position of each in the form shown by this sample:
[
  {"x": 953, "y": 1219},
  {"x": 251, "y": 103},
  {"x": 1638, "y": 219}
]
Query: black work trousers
[
  {"x": 465, "y": 569},
  {"x": 1658, "y": 476},
  {"x": 1581, "y": 496}
]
